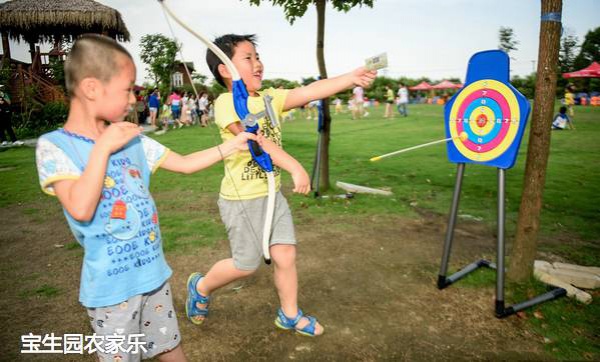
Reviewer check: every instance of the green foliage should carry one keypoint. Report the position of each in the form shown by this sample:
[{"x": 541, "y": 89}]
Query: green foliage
[
  {"x": 57, "y": 68},
  {"x": 297, "y": 8},
  {"x": 566, "y": 61},
  {"x": 566, "y": 56},
  {"x": 37, "y": 121},
  {"x": 525, "y": 85},
  {"x": 507, "y": 41},
  {"x": 215, "y": 89},
  {"x": 158, "y": 53},
  {"x": 199, "y": 78},
  {"x": 279, "y": 82},
  {"x": 589, "y": 51}
]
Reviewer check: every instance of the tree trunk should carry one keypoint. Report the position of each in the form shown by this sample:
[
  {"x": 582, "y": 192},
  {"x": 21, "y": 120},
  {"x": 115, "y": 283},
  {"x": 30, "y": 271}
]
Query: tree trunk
[
  {"x": 324, "y": 175},
  {"x": 525, "y": 245}
]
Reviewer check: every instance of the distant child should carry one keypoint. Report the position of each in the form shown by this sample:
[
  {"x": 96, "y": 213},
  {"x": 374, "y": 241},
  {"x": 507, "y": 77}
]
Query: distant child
[
  {"x": 99, "y": 167},
  {"x": 562, "y": 120},
  {"x": 166, "y": 118},
  {"x": 570, "y": 99},
  {"x": 389, "y": 101},
  {"x": 203, "y": 109},
  {"x": 174, "y": 101},
  {"x": 338, "y": 105},
  {"x": 153, "y": 106},
  {"x": 244, "y": 186}
]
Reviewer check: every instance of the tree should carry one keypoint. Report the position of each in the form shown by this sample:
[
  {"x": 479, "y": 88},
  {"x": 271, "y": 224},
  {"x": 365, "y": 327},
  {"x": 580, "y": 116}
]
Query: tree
[
  {"x": 296, "y": 9},
  {"x": 525, "y": 85},
  {"x": 566, "y": 56},
  {"x": 589, "y": 51},
  {"x": 566, "y": 60},
  {"x": 158, "y": 53},
  {"x": 525, "y": 245},
  {"x": 280, "y": 82},
  {"x": 507, "y": 41},
  {"x": 199, "y": 78}
]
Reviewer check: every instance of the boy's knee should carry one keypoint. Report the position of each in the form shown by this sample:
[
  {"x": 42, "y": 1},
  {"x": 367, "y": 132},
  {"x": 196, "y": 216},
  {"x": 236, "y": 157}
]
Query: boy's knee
[{"x": 284, "y": 256}]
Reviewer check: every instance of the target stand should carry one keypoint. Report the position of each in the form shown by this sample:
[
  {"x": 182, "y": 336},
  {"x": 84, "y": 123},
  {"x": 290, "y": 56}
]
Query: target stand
[{"x": 486, "y": 120}]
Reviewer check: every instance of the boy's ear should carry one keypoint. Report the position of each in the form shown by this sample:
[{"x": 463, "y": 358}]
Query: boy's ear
[
  {"x": 90, "y": 88},
  {"x": 223, "y": 71}
]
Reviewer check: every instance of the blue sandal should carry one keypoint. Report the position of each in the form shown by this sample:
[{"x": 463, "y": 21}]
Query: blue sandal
[
  {"x": 193, "y": 297},
  {"x": 284, "y": 322}
]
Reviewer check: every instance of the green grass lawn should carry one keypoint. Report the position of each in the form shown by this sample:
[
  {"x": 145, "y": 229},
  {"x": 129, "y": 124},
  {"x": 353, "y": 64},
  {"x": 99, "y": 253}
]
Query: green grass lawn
[
  {"x": 422, "y": 177},
  {"x": 420, "y": 180}
]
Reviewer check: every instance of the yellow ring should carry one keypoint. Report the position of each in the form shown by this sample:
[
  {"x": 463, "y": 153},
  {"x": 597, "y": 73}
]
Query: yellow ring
[{"x": 513, "y": 104}]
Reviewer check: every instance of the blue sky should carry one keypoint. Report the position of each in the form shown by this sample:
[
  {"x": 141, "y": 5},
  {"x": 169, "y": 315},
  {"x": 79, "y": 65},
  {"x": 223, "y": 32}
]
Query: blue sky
[{"x": 432, "y": 38}]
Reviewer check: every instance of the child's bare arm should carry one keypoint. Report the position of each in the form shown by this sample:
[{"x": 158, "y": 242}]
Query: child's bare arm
[
  {"x": 202, "y": 159},
  {"x": 80, "y": 197},
  {"x": 282, "y": 159},
  {"x": 327, "y": 87},
  {"x": 288, "y": 163}
]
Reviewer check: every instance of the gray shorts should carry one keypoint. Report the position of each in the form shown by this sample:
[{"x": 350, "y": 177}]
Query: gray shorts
[
  {"x": 245, "y": 229},
  {"x": 150, "y": 314}
]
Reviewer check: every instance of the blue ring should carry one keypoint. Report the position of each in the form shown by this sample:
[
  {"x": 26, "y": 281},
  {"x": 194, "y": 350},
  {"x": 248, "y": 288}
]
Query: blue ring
[{"x": 493, "y": 105}]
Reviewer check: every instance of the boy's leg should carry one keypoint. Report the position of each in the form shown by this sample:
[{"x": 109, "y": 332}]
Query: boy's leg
[
  {"x": 220, "y": 274},
  {"x": 174, "y": 355},
  {"x": 286, "y": 282}
]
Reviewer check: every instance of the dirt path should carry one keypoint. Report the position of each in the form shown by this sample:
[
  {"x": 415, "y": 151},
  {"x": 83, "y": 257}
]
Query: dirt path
[{"x": 370, "y": 281}]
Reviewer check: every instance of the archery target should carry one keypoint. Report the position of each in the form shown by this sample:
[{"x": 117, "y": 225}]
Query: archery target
[{"x": 489, "y": 113}]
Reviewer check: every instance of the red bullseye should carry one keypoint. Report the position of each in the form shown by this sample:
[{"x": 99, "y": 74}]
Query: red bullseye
[{"x": 481, "y": 120}]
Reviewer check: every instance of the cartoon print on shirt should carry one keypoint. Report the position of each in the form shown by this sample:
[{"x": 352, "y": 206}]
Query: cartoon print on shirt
[
  {"x": 133, "y": 181},
  {"x": 124, "y": 222}
]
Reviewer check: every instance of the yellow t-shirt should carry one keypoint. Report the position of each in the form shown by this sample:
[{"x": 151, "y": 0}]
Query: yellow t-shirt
[
  {"x": 390, "y": 95},
  {"x": 244, "y": 179},
  {"x": 569, "y": 98}
]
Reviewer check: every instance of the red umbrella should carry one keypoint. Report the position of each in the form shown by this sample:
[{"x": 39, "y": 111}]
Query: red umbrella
[
  {"x": 421, "y": 86},
  {"x": 446, "y": 84},
  {"x": 593, "y": 71}
]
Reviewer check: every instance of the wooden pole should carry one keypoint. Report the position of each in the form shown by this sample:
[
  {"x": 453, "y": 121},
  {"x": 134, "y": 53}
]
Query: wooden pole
[{"x": 5, "y": 49}]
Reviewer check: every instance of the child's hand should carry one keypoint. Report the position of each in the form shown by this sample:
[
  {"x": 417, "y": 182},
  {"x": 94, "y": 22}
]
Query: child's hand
[
  {"x": 301, "y": 181},
  {"x": 117, "y": 135},
  {"x": 240, "y": 142},
  {"x": 363, "y": 77}
]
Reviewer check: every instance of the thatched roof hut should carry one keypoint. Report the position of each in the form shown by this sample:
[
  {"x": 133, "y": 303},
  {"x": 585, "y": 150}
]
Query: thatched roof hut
[{"x": 49, "y": 20}]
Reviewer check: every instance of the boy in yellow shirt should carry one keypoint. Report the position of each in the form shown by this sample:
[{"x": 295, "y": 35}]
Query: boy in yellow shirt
[{"x": 244, "y": 186}]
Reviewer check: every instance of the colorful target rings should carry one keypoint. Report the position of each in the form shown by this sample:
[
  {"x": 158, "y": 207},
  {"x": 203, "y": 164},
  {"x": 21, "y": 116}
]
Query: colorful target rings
[{"x": 488, "y": 112}]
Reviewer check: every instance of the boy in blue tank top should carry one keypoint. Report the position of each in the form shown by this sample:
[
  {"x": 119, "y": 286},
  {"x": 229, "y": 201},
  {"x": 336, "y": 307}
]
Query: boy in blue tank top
[{"x": 99, "y": 167}]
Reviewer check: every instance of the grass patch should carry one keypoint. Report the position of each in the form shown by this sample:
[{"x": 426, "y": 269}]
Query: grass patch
[
  {"x": 44, "y": 290},
  {"x": 569, "y": 328},
  {"x": 73, "y": 246}
]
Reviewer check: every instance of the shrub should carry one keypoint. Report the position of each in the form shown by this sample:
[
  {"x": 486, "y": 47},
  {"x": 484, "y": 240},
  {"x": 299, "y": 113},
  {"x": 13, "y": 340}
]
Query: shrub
[{"x": 40, "y": 120}]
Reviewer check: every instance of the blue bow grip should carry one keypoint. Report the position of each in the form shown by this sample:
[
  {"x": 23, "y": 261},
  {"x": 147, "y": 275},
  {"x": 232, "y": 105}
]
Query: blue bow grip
[{"x": 240, "y": 98}]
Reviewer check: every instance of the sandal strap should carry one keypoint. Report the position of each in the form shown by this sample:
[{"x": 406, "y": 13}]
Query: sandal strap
[
  {"x": 195, "y": 297},
  {"x": 198, "y": 298},
  {"x": 310, "y": 327},
  {"x": 289, "y": 322}
]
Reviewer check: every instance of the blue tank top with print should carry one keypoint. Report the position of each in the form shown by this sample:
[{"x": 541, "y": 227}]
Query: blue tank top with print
[{"x": 122, "y": 243}]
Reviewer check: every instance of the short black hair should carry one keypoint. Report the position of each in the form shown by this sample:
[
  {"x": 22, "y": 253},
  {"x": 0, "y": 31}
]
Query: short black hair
[
  {"x": 93, "y": 55},
  {"x": 562, "y": 110},
  {"x": 227, "y": 44}
]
